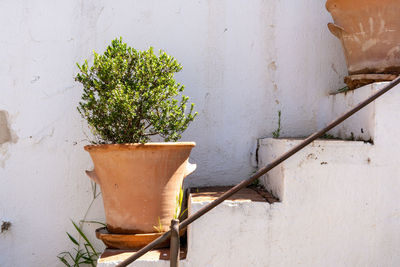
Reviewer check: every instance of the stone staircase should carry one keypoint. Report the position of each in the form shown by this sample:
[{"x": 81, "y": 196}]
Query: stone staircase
[
  {"x": 220, "y": 235},
  {"x": 339, "y": 200}
]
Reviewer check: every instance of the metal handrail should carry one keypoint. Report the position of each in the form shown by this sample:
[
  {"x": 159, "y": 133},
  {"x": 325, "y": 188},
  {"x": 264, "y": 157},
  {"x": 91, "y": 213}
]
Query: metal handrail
[{"x": 258, "y": 174}]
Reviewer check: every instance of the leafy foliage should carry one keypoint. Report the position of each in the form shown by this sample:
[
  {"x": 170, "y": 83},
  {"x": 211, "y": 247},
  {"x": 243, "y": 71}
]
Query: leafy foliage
[
  {"x": 84, "y": 254},
  {"x": 130, "y": 95}
]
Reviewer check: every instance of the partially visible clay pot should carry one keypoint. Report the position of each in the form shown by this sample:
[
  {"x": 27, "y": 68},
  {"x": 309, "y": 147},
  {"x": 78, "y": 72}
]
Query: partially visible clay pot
[
  {"x": 140, "y": 183},
  {"x": 370, "y": 34}
]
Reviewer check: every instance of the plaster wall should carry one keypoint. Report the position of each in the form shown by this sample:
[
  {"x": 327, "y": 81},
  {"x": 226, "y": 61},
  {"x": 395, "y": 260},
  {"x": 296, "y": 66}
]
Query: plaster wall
[
  {"x": 242, "y": 63},
  {"x": 309, "y": 66}
]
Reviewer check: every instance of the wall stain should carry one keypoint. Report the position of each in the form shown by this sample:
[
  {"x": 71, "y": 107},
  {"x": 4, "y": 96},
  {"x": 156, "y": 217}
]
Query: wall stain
[
  {"x": 5, "y": 226},
  {"x": 5, "y": 132},
  {"x": 272, "y": 66}
]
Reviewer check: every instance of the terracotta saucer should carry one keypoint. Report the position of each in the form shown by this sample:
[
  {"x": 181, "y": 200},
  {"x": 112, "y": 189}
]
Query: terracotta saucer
[
  {"x": 358, "y": 80},
  {"x": 128, "y": 241}
]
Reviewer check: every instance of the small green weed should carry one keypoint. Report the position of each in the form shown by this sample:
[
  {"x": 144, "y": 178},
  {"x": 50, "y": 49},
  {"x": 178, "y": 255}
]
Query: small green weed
[
  {"x": 178, "y": 211},
  {"x": 83, "y": 253},
  {"x": 328, "y": 136},
  {"x": 256, "y": 182},
  {"x": 178, "y": 207},
  {"x": 277, "y": 132},
  {"x": 160, "y": 227},
  {"x": 344, "y": 89}
]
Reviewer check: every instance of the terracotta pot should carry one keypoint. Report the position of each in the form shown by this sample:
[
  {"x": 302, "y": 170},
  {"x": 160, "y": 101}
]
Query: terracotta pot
[
  {"x": 140, "y": 183},
  {"x": 370, "y": 34}
]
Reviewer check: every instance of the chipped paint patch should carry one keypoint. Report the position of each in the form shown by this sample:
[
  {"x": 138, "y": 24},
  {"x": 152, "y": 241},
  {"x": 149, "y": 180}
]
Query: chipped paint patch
[
  {"x": 7, "y": 136},
  {"x": 35, "y": 79}
]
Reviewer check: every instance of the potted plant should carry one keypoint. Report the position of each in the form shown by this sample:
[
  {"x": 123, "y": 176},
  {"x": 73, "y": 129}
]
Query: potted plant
[
  {"x": 369, "y": 31},
  {"x": 128, "y": 97}
]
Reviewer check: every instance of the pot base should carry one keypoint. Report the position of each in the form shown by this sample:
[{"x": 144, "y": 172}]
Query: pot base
[
  {"x": 359, "y": 80},
  {"x": 128, "y": 241}
]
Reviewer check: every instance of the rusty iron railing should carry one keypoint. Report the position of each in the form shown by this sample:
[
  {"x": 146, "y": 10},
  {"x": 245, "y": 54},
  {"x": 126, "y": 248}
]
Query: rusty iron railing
[{"x": 176, "y": 226}]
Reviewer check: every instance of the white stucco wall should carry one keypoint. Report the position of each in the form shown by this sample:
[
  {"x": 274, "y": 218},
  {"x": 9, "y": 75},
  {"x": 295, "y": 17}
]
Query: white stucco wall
[
  {"x": 310, "y": 65},
  {"x": 243, "y": 61}
]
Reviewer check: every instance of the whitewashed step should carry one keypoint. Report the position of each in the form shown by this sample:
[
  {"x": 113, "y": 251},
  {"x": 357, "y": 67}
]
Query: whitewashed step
[
  {"x": 375, "y": 122},
  {"x": 216, "y": 239},
  {"x": 313, "y": 171},
  {"x": 339, "y": 204},
  {"x": 156, "y": 258},
  {"x": 235, "y": 233}
]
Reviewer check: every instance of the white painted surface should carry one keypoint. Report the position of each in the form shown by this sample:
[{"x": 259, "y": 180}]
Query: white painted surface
[
  {"x": 329, "y": 216},
  {"x": 376, "y": 122},
  {"x": 138, "y": 263},
  {"x": 339, "y": 207},
  {"x": 360, "y": 126},
  {"x": 240, "y": 68},
  {"x": 339, "y": 202},
  {"x": 310, "y": 65},
  {"x": 233, "y": 234},
  {"x": 339, "y": 199}
]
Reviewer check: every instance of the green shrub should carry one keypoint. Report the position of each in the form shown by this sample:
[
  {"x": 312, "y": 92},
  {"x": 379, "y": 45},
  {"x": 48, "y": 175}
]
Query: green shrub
[{"x": 130, "y": 95}]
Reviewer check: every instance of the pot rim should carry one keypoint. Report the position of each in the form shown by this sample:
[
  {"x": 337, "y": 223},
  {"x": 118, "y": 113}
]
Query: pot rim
[
  {"x": 131, "y": 146},
  {"x": 330, "y": 4}
]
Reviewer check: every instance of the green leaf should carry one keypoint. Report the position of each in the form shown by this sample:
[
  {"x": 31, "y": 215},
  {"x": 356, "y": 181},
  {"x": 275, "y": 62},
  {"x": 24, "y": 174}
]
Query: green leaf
[
  {"x": 73, "y": 239},
  {"x": 83, "y": 235},
  {"x": 63, "y": 260}
]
